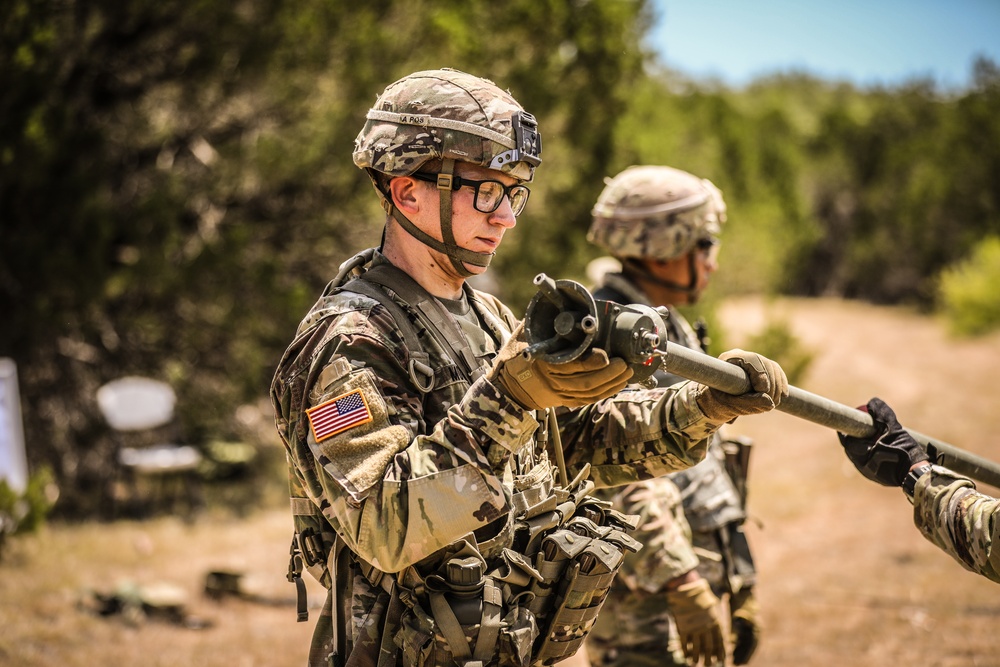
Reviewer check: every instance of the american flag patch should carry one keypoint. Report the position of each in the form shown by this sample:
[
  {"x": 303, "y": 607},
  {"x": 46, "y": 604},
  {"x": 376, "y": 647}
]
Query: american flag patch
[{"x": 338, "y": 414}]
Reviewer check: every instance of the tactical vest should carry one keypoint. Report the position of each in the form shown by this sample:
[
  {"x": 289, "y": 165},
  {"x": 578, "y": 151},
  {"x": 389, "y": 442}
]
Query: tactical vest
[{"x": 526, "y": 595}]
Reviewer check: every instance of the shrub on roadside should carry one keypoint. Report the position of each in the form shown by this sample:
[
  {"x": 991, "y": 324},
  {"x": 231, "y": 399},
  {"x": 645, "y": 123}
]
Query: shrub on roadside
[
  {"x": 969, "y": 291},
  {"x": 777, "y": 342}
]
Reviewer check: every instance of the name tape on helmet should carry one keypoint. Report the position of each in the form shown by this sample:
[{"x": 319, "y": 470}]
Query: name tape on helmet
[{"x": 425, "y": 120}]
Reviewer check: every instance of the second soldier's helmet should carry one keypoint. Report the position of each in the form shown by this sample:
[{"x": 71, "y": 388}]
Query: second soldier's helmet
[
  {"x": 447, "y": 114},
  {"x": 656, "y": 212}
]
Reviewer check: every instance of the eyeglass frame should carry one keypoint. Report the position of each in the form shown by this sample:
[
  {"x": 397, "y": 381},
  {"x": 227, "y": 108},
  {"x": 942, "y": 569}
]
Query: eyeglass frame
[
  {"x": 708, "y": 247},
  {"x": 459, "y": 182}
]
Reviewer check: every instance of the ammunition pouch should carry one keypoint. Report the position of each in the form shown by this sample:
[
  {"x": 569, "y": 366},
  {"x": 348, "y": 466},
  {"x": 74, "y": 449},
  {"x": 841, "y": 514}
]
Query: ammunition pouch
[
  {"x": 737, "y": 462},
  {"x": 534, "y": 604}
]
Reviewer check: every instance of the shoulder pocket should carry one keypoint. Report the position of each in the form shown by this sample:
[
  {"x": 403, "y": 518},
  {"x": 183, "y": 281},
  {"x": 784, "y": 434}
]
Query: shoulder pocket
[{"x": 350, "y": 433}]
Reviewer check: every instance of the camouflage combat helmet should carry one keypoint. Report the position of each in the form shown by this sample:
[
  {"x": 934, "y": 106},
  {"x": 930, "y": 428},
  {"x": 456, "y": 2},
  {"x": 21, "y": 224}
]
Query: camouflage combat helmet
[
  {"x": 655, "y": 212},
  {"x": 450, "y": 116}
]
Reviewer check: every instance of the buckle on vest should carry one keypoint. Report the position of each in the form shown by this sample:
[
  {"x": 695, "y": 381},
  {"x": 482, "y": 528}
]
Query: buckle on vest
[{"x": 311, "y": 547}]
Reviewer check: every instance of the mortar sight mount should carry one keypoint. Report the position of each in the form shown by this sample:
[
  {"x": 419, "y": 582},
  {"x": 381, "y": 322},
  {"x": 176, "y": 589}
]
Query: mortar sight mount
[{"x": 563, "y": 321}]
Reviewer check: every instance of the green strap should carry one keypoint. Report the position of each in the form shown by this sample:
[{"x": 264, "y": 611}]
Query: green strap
[
  {"x": 387, "y": 650},
  {"x": 448, "y": 623},
  {"x": 432, "y": 313},
  {"x": 489, "y": 626},
  {"x": 421, "y": 373}
]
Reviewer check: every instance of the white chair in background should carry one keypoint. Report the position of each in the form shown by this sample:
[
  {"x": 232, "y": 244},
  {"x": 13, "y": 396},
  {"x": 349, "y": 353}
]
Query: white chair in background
[{"x": 157, "y": 475}]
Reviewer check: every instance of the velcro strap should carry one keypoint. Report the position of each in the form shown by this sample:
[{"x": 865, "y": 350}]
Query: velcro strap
[
  {"x": 597, "y": 582},
  {"x": 583, "y": 616},
  {"x": 558, "y": 649},
  {"x": 302, "y": 506}
]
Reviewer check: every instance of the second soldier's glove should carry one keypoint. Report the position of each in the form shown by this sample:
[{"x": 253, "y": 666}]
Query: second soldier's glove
[
  {"x": 696, "y": 612},
  {"x": 768, "y": 385},
  {"x": 537, "y": 384},
  {"x": 886, "y": 456},
  {"x": 744, "y": 625}
]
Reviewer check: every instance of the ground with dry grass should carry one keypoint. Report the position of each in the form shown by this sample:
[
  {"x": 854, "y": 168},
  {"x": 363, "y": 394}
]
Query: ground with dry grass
[{"x": 845, "y": 579}]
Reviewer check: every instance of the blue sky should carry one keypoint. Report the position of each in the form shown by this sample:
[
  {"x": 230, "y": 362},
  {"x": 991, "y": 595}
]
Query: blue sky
[{"x": 864, "y": 41}]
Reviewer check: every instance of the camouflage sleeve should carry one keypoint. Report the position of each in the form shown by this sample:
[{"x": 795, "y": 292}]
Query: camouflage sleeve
[
  {"x": 637, "y": 435},
  {"x": 663, "y": 531},
  {"x": 395, "y": 488},
  {"x": 958, "y": 519}
]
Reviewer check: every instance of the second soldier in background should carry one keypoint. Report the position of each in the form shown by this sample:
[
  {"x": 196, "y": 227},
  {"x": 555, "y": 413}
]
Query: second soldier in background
[{"x": 662, "y": 225}]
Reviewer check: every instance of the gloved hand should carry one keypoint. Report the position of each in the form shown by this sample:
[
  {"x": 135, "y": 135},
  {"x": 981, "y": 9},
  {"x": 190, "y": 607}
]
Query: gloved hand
[
  {"x": 537, "y": 384},
  {"x": 886, "y": 456},
  {"x": 744, "y": 625},
  {"x": 696, "y": 612},
  {"x": 768, "y": 386}
]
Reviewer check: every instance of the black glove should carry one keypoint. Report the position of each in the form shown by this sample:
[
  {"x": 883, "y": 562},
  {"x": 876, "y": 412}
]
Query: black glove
[
  {"x": 744, "y": 625},
  {"x": 886, "y": 456}
]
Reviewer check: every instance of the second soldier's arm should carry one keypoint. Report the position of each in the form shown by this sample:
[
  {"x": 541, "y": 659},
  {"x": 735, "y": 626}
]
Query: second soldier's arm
[
  {"x": 959, "y": 520},
  {"x": 946, "y": 507}
]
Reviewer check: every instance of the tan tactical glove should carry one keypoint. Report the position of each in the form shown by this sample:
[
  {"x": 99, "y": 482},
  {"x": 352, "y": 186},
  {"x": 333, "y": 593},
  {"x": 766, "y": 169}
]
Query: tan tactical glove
[
  {"x": 768, "y": 386},
  {"x": 537, "y": 384},
  {"x": 745, "y": 626},
  {"x": 696, "y": 612}
]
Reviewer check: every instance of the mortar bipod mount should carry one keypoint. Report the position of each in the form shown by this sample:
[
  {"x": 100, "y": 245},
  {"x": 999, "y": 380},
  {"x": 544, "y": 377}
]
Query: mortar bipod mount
[{"x": 563, "y": 321}]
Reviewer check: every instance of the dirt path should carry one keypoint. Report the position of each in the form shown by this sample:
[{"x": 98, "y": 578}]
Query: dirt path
[{"x": 845, "y": 579}]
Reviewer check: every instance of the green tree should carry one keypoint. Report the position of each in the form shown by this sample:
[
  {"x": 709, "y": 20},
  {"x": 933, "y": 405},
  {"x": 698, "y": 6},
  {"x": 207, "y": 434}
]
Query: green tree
[{"x": 177, "y": 186}]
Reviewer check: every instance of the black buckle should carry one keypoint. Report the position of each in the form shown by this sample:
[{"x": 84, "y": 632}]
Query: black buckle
[{"x": 311, "y": 547}]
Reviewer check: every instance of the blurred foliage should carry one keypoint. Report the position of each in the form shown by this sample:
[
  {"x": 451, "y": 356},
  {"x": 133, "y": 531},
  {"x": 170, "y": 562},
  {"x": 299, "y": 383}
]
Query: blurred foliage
[
  {"x": 970, "y": 291},
  {"x": 176, "y": 184},
  {"x": 776, "y": 341},
  {"x": 25, "y": 512}
]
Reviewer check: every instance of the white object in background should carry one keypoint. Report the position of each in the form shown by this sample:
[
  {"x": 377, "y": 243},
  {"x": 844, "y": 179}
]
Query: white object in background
[
  {"x": 13, "y": 462},
  {"x": 136, "y": 403}
]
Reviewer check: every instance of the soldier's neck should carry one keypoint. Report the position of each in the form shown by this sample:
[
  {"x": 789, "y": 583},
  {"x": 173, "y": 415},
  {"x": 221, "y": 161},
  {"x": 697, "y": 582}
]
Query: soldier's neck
[{"x": 431, "y": 269}]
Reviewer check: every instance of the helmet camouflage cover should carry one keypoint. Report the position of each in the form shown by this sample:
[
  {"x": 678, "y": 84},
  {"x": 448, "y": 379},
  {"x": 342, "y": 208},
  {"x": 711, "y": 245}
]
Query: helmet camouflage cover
[
  {"x": 656, "y": 212},
  {"x": 447, "y": 114}
]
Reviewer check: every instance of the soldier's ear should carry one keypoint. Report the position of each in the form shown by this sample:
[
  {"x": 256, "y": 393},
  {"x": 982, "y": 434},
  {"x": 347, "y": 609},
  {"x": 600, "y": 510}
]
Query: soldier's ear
[{"x": 407, "y": 194}]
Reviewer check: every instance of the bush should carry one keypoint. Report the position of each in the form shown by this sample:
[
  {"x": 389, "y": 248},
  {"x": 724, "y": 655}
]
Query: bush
[
  {"x": 25, "y": 512},
  {"x": 969, "y": 292},
  {"x": 777, "y": 342}
]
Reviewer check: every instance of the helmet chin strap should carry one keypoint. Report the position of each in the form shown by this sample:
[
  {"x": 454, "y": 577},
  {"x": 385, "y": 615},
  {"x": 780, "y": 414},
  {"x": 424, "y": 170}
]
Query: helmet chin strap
[
  {"x": 691, "y": 289},
  {"x": 450, "y": 248}
]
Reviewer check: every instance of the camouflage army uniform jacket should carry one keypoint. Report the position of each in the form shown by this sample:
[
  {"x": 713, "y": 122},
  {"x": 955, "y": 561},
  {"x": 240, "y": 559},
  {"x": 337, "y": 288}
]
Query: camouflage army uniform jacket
[
  {"x": 679, "y": 513},
  {"x": 426, "y": 468},
  {"x": 958, "y": 519}
]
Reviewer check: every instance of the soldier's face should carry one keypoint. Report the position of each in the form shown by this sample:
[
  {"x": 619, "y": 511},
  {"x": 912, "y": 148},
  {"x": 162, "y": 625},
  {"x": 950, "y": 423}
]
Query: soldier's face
[
  {"x": 473, "y": 229},
  {"x": 678, "y": 272}
]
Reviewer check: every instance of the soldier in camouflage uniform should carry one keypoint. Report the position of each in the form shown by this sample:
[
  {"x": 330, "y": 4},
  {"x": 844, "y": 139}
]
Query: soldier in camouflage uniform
[
  {"x": 662, "y": 224},
  {"x": 419, "y": 438},
  {"x": 946, "y": 506}
]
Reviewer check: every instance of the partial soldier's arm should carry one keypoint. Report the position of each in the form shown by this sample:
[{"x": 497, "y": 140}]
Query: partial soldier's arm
[
  {"x": 664, "y": 532},
  {"x": 639, "y": 435},
  {"x": 958, "y": 519}
]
